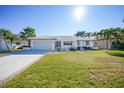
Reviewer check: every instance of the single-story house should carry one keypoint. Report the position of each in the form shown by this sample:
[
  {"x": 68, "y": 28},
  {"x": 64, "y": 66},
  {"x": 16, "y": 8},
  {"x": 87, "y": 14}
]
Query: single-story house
[{"x": 63, "y": 43}]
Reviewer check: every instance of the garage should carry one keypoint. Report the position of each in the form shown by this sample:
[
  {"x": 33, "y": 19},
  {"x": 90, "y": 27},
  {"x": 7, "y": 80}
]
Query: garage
[{"x": 42, "y": 44}]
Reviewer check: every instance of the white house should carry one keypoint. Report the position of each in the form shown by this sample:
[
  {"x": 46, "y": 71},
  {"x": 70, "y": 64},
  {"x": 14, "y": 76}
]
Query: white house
[
  {"x": 63, "y": 43},
  {"x": 2, "y": 44},
  {"x": 20, "y": 43}
]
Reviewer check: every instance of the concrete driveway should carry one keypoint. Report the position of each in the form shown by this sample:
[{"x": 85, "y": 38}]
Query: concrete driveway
[{"x": 17, "y": 61}]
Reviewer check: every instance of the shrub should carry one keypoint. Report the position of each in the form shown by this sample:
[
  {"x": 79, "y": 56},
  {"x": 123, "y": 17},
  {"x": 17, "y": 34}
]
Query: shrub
[
  {"x": 72, "y": 49},
  {"x": 20, "y": 48},
  {"x": 78, "y": 48},
  {"x": 119, "y": 44}
]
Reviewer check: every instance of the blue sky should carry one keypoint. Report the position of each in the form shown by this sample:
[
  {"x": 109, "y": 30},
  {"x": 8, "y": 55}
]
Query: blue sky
[{"x": 60, "y": 20}]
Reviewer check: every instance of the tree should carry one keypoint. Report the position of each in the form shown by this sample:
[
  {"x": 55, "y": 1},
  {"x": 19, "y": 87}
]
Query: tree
[
  {"x": 121, "y": 33},
  {"x": 81, "y": 34},
  {"x": 14, "y": 37},
  {"x": 85, "y": 34},
  {"x": 101, "y": 35},
  {"x": 89, "y": 34},
  {"x": 27, "y": 32},
  {"x": 7, "y": 34},
  {"x": 94, "y": 34},
  {"x": 108, "y": 35}
]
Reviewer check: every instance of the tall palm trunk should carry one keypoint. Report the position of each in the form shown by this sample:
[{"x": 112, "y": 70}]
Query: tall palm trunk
[
  {"x": 11, "y": 44},
  {"x": 105, "y": 43},
  {"x": 6, "y": 43}
]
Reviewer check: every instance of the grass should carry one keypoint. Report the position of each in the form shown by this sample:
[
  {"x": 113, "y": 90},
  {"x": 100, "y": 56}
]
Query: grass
[
  {"x": 4, "y": 51},
  {"x": 73, "y": 69}
]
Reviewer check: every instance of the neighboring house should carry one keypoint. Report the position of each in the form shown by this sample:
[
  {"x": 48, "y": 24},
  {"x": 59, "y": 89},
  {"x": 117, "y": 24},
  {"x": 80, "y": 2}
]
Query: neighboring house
[
  {"x": 102, "y": 43},
  {"x": 15, "y": 45},
  {"x": 63, "y": 43},
  {"x": 20, "y": 43},
  {"x": 2, "y": 43}
]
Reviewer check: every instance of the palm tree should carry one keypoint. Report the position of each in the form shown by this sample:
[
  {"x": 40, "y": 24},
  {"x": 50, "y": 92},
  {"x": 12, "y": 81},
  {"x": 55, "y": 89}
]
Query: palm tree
[
  {"x": 110, "y": 36},
  {"x": 14, "y": 37},
  {"x": 81, "y": 34},
  {"x": 121, "y": 33},
  {"x": 94, "y": 34},
  {"x": 27, "y": 32},
  {"x": 89, "y": 34},
  {"x": 101, "y": 35},
  {"x": 6, "y": 35},
  {"x": 107, "y": 35},
  {"x": 118, "y": 35}
]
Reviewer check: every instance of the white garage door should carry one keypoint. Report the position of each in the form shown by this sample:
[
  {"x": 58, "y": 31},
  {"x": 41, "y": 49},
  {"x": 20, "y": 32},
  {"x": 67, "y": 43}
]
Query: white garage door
[{"x": 43, "y": 44}]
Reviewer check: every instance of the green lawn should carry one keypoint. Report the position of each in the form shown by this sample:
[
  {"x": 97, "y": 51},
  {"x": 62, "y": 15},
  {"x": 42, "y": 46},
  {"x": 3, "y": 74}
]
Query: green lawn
[
  {"x": 4, "y": 51},
  {"x": 74, "y": 69}
]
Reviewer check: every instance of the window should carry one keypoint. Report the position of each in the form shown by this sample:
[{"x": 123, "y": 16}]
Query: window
[
  {"x": 17, "y": 43},
  {"x": 95, "y": 42},
  {"x": 68, "y": 43},
  {"x": 87, "y": 42},
  {"x": 58, "y": 44}
]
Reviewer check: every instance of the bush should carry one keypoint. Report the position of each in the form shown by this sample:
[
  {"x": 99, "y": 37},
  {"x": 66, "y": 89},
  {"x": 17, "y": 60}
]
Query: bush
[
  {"x": 87, "y": 48},
  {"x": 58, "y": 49},
  {"x": 20, "y": 48},
  {"x": 72, "y": 49},
  {"x": 25, "y": 46},
  {"x": 78, "y": 48},
  {"x": 118, "y": 44}
]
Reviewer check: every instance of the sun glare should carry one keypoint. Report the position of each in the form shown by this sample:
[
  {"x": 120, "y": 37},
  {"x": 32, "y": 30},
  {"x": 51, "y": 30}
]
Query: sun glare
[{"x": 79, "y": 12}]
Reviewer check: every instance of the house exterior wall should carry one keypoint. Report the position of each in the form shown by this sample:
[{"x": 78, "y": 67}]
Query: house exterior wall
[
  {"x": 49, "y": 43},
  {"x": 82, "y": 43},
  {"x": 67, "y": 47},
  {"x": 22, "y": 43}
]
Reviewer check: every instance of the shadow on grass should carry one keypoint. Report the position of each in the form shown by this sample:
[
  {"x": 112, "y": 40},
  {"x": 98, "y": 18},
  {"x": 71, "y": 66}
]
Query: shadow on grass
[{"x": 115, "y": 54}]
